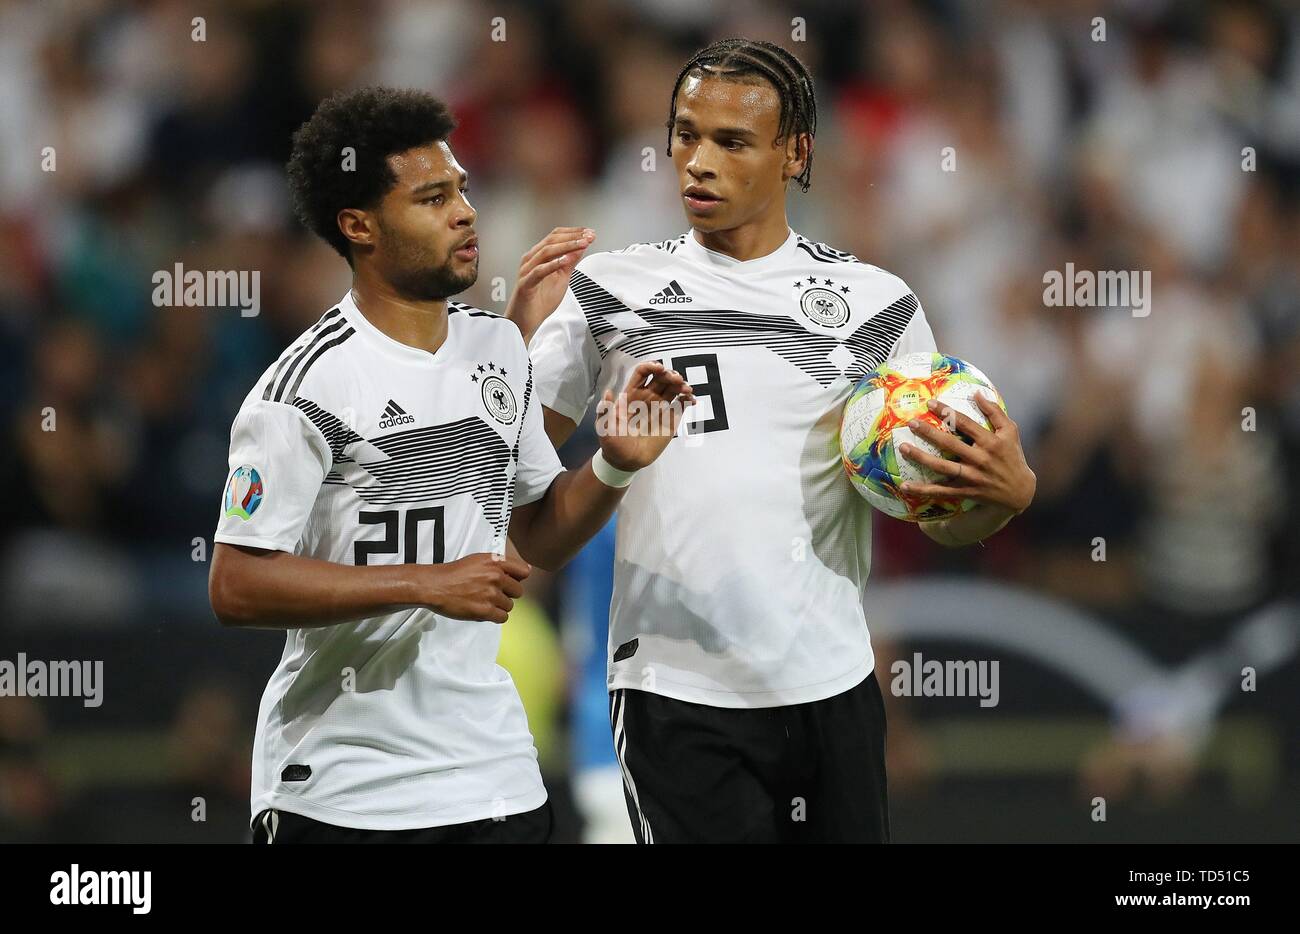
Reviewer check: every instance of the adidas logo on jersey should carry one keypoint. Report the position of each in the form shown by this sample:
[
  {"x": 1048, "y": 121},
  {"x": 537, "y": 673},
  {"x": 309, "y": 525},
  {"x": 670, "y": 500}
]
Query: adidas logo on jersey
[
  {"x": 394, "y": 414},
  {"x": 671, "y": 294}
]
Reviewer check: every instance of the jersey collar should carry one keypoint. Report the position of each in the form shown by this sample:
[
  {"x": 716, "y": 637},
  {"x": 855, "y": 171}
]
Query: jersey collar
[
  {"x": 385, "y": 343},
  {"x": 781, "y": 256}
]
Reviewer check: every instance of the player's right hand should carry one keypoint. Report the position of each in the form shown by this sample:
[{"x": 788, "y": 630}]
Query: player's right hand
[
  {"x": 664, "y": 396},
  {"x": 544, "y": 276},
  {"x": 477, "y": 587}
]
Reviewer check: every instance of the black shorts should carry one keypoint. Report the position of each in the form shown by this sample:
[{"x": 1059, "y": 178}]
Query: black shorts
[
  {"x": 275, "y": 826},
  {"x": 806, "y": 773}
]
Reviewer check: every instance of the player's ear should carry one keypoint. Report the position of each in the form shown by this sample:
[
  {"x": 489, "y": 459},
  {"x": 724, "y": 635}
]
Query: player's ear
[
  {"x": 798, "y": 147},
  {"x": 360, "y": 227}
]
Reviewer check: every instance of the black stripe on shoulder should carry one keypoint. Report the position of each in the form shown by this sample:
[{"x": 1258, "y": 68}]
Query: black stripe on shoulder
[
  {"x": 667, "y": 246},
  {"x": 279, "y": 395},
  {"x": 296, "y": 349},
  {"x": 473, "y": 312},
  {"x": 334, "y": 342},
  {"x": 825, "y": 254}
]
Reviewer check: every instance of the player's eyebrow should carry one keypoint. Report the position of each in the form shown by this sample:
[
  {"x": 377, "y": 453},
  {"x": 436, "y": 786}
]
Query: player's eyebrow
[
  {"x": 738, "y": 132},
  {"x": 424, "y": 187}
]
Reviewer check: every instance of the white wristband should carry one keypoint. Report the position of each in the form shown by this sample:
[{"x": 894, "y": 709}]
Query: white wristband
[{"x": 608, "y": 474}]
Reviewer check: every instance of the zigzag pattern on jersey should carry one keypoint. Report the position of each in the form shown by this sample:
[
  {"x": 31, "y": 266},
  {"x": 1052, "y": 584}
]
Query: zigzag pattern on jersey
[
  {"x": 825, "y": 254},
  {"x": 673, "y": 329},
  {"x": 514, "y": 451},
  {"x": 436, "y": 462},
  {"x": 523, "y": 409},
  {"x": 337, "y": 434}
]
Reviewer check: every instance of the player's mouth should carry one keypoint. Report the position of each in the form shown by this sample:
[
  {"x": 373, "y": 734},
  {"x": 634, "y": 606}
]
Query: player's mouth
[
  {"x": 700, "y": 200},
  {"x": 469, "y": 251}
]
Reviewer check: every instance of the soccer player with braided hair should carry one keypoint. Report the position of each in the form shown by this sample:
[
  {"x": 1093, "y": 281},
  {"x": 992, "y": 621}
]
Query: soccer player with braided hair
[{"x": 743, "y": 699}]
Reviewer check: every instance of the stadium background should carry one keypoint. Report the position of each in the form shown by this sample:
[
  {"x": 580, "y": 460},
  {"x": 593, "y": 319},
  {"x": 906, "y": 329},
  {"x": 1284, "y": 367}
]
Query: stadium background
[{"x": 1172, "y": 146}]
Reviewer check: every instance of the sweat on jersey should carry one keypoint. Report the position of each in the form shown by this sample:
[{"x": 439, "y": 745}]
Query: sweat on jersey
[
  {"x": 743, "y": 551},
  {"x": 357, "y": 449}
]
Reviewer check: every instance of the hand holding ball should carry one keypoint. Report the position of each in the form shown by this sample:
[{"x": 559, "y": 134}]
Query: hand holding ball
[{"x": 875, "y": 423}]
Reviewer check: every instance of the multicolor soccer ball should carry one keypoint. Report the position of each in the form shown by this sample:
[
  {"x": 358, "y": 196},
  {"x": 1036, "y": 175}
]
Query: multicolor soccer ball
[{"x": 875, "y": 423}]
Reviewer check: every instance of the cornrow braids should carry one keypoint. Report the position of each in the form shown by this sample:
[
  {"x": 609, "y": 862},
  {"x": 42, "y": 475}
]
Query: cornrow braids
[{"x": 740, "y": 58}]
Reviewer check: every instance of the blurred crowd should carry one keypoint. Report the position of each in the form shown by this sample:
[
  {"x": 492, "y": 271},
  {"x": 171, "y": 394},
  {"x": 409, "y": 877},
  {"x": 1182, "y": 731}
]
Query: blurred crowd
[{"x": 970, "y": 146}]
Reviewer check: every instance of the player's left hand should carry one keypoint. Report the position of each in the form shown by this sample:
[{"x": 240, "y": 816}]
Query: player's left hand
[
  {"x": 635, "y": 428},
  {"x": 991, "y": 469}
]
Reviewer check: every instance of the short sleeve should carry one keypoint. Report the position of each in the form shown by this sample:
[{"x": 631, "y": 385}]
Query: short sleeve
[
  {"x": 277, "y": 462},
  {"x": 538, "y": 462},
  {"x": 916, "y": 337},
  {"x": 566, "y": 361}
]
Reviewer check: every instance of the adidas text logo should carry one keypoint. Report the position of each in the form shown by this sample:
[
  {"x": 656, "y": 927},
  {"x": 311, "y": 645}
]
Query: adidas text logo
[
  {"x": 671, "y": 294},
  {"x": 394, "y": 414}
]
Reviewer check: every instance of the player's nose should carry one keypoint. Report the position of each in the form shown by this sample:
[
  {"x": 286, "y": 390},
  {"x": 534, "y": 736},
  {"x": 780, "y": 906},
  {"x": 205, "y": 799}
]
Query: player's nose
[
  {"x": 698, "y": 166},
  {"x": 466, "y": 216}
]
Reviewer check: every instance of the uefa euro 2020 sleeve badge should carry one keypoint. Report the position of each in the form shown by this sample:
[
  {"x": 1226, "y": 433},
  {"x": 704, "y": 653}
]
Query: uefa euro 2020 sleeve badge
[{"x": 243, "y": 492}]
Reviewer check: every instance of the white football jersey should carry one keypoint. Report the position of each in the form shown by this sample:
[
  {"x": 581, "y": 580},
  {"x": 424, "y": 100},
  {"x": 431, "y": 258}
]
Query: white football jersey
[
  {"x": 358, "y": 449},
  {"x": 743, "y": 551}
]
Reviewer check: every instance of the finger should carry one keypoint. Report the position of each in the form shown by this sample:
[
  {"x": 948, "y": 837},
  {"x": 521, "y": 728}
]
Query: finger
[
  {"x": 993, "y": 412},
  {"x": 939, "y": 465},
  {"x": 538, "y": 273},
  {"x": 676, "y": 389},
  {"x": 961, "y": 422},
  {"x": 495, "y": 615},
  {"x": 666, "y": 414},
  {"x": 678, "y": 409},
  {"x": 556, "y": 235},
  {"x": 642, "y": 373},
  {"x": 551, "y": 251},
  {"x": 946, "y": 441},
  {"x": 516, "y": 567},
  {"x": 548, "y": 260},
  {"x": 501, "y": 601},
  {"x": 512, "y": 587},
  {"x": 671, "y": 411},
  {"x": 567, "y": 249},
  {"x": 667, "y": 383},
  {"x": 939, "y": 490},
  {"x": 658, "y": 390}
]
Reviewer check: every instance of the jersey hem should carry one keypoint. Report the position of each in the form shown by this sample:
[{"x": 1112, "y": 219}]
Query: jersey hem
[
  {"x": 270, "y": 544},
  {"x": 783, "y": 697},
  {"x": 443, "y": 817},
  {"x": 529, "y": 500},
  {"x": 572, "y": 412}
]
